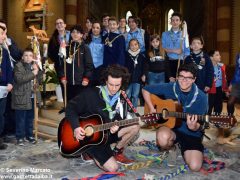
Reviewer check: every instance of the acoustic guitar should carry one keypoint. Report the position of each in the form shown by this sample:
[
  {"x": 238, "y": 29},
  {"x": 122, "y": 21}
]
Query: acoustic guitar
[
  {"x": 96, "y": 132},
  {"x": 171, "y": 112}
]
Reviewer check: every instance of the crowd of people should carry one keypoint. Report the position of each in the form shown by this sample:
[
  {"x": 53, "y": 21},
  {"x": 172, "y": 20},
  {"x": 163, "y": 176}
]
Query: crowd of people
[{"x": 103, "y": 62}]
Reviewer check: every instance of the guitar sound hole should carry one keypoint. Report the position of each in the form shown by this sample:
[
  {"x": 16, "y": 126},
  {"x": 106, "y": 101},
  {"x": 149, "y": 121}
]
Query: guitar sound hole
[{"x": 89, "y": 131}]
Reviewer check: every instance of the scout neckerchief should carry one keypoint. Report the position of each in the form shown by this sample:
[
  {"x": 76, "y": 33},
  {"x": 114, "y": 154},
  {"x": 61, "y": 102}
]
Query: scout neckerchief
[
  {"x": 175, "y": 39},
  {"x": 108, "y": 42},
  {"x": 76, "y": 48},
  {"x": 217, "y": 75},
  {"x": 109, "y": 101},
  {"x": 194, "y": 88},
  {"x": 134, "y": 56},
  {"x": 202, "y": 62}
]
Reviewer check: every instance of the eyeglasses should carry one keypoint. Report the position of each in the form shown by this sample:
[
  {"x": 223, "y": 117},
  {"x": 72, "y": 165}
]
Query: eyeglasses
[{"x": 181, "y": 78}]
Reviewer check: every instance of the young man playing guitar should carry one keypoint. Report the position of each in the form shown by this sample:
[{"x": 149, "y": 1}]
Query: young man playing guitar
[
  {"x": 107, "y": 101},
  {"x": 194, "y": 102}
]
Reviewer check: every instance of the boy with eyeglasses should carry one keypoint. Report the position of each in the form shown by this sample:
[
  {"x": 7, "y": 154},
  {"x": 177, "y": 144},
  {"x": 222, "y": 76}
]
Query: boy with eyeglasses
[{"x": 194, "y": 102}]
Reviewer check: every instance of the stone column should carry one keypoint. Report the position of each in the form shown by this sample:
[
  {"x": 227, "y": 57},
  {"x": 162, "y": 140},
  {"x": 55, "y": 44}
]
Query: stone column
[
  {"x": 71, "y": 12},
  {"x": 1, "y": 9},
  {"x": 224, "y": 29},
  {"x": 235, "y": 35},
  {"x": 82, "y": 12}
]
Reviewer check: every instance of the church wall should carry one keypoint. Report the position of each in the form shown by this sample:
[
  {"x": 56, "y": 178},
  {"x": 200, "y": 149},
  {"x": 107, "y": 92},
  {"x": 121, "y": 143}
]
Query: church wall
[
  {"x": 193, "y": 14},
  {"x": 166, "y": 5},
  {"x": 207, "y": 19},
  {"x": 1, "y": 9},
  {"x": 235, "y": 37},
  {"x": 128, "y": 6},
  {"x": 16, "y": 27}
]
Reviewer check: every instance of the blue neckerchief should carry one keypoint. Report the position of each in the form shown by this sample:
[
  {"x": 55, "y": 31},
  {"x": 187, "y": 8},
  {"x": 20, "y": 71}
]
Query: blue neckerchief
[
  {"x": 109, "y": 101},
  {"x": 185, "y": 100}
]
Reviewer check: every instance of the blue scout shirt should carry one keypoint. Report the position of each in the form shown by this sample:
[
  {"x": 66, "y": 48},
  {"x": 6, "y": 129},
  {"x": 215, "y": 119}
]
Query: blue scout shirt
[
  {"x": 96, "y": 48},
  {"x": 193, "y": 102},
  {"x": 171, "y": 40}
]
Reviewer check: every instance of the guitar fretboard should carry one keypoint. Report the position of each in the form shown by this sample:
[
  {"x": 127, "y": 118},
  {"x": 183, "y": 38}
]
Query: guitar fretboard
[
  {"x": 200, "y": 118},
  {"x": 107, "y": 126}
]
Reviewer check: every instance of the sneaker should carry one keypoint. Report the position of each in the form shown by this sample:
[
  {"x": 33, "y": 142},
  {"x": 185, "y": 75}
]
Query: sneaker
[
  {"x": 122, "y": 159},
  {"x": 86, "y": 158},
  {"x": 31, "y": 140},
  {"x": 20, "y": 142}
]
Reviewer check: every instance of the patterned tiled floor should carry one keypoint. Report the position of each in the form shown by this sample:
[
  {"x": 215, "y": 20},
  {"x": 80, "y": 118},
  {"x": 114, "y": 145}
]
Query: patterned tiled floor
[{"x": 43, "y": 161}]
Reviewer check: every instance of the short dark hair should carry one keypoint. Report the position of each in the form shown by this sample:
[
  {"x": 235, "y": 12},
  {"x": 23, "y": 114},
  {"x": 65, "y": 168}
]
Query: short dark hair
[
  {"x": 28, "y": 49},
  {"x": 198, "y": 38},
  {"x": 78, "y": 28},
  {"x": 3, "y": 28},
  {"x": 133, "y": 39},
  {"x": 91, "y": 19},
  {"x": 177, "y": 14},
  {"x": 105, "y": 15},
  {"x": 116, "y": 71},
  {"x": 212, "y": 52},
  {"x": 135, "y": 19},
  {"x": 189, "y": 67},
  {"x": 112, "y": 18},
  {"x": 122, "y": 18}
]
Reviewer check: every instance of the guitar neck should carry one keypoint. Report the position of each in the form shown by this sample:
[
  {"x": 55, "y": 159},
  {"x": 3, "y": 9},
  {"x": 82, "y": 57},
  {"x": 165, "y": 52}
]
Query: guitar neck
[
  {"x": 120, "y": 123},
  {"x": 201, "y": 118}
]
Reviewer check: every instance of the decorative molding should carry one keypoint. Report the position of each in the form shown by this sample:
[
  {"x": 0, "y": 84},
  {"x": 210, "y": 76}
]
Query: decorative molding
[{"x": 235, "y": 35}]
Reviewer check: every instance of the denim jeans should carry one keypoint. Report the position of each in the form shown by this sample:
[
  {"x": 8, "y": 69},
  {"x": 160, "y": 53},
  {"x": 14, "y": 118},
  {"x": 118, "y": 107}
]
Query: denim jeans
[
  {"x": 133, "y": 93},
  {"x": 156, "y": 78},
  {"x": 3, "y": 102},
  {"x": 24, "y": 122}
]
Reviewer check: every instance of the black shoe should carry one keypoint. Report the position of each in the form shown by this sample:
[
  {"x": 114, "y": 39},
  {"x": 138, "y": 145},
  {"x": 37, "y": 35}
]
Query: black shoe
[
  {"x": 31, "y": 140},
  {"x": 61, "y": 111},
  {"x": 9, "y": 139},
  {"x": 20, "y": 142},
  {"x": 2, "y": 145}
]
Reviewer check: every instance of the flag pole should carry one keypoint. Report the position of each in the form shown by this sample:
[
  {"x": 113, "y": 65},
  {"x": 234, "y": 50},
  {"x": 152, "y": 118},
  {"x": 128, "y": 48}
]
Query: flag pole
[
  {"x": 62, "y": 53},
  {"x": 184, "y": 36},
  {"x": 36, "y": 54}
]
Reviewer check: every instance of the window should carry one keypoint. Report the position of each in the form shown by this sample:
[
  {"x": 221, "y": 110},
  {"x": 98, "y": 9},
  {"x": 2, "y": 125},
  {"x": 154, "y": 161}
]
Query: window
[
  {"x": 128, "y": 14},
  {"x": 169, "y": 26}
]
